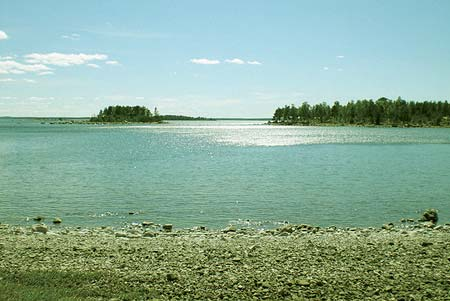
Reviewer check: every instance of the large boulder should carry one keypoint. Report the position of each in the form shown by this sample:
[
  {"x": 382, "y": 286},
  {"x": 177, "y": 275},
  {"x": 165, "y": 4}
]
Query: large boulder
[
  {"x": 430, "y": 215},
  {"x": 40, "y": 228}
]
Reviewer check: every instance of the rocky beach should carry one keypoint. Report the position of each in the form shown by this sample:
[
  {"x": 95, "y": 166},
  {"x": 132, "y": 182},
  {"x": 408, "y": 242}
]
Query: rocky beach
[{"x": 402, "y": 261}]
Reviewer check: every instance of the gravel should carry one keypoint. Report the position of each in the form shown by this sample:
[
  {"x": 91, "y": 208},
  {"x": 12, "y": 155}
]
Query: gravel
[{"x": 298, "y": 262}]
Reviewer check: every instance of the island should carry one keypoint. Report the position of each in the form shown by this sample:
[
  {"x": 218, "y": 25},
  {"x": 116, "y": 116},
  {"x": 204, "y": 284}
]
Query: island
[{"x": 382, "y": 112}]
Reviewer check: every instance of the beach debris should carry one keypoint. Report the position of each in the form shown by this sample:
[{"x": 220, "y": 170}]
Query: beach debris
[
  {"x": 57, "y": 220},
  {"x": 40, "y": 228},
  {"x": 430, "y": 215}
]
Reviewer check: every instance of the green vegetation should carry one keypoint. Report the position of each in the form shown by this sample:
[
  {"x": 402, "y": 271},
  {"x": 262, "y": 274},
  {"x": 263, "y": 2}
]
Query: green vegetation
[
  {"x": 181, "y": 117},
  {"x": 54, "y": 285},
  {"x": 385, "y": 112},
  {"x": 127, "y": 114}
]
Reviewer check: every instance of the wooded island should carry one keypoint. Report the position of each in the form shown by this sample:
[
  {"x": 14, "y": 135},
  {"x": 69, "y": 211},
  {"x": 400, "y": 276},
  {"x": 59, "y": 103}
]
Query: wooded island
[
  {"x": 383, "y": 112},
  {"x": 139, "y": 114}
]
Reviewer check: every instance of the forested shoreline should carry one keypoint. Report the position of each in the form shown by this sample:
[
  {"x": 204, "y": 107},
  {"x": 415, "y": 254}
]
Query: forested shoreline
[{"x": 382, "y": 112}]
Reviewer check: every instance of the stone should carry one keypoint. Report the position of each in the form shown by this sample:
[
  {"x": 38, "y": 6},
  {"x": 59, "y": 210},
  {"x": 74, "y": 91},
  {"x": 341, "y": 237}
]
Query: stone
[
  {"x": 171, "y": 277},
  {"x": 430, "y": 215},
  {"x": 167, "y": 227},
  {"x": 230, "y": 228},
  {"x": 38, "y": 218},
  {"x": 40, "y": 228},
  {"x": 426, "y": 244},
  {"x": 120, "y": 234},
  {"x": 389, "y": 226},
  {"x": 149, "y": 234},
  {"x": 303, "y": 282},
  {"x": 57, "y": 220},
  {"x": 147, "y": 224}
]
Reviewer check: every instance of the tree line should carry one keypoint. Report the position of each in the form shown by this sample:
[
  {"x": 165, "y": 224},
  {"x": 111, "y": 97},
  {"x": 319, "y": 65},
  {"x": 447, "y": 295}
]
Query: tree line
[
  {"x": 383, "y": 111},
  {"x": 127, "y": 114}
]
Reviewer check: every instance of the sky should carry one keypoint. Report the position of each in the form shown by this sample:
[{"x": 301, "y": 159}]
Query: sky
[{"x": 218, "y": 58}]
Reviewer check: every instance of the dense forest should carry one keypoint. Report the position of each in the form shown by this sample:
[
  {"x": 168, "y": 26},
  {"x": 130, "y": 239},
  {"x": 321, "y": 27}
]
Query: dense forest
[
  {"x": 127, "y": 114},
  {"x": 383, "y": 111}
]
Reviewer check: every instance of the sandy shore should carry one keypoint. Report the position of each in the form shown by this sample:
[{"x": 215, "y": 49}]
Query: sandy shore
[{"x": 296, "y": 262}]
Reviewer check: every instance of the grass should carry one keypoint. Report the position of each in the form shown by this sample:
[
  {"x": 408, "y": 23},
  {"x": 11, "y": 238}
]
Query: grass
[{"x": 68, "y": 286}]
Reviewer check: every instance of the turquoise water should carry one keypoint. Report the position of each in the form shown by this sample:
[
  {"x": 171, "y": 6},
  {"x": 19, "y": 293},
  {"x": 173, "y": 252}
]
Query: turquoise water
[{"x": 219, "y": 172}]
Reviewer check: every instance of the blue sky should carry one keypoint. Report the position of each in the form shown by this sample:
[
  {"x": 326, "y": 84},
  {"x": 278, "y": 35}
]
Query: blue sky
[{"x": 218, "y": 58}]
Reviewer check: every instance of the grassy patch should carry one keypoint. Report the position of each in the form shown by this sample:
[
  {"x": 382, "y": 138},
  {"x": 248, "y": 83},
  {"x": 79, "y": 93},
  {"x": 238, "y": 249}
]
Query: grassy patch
[{"x": 53, "y": 285}]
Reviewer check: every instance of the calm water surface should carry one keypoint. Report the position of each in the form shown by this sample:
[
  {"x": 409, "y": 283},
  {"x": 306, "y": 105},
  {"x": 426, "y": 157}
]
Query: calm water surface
[{"x": 219, "y": 172}]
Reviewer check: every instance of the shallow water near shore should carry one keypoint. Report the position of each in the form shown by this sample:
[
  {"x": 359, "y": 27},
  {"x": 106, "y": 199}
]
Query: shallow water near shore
[{"x": 214, "y": 173}]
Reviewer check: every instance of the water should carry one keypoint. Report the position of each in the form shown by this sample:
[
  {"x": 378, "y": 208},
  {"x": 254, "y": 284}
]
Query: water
[{"x": 214, "y": 173}]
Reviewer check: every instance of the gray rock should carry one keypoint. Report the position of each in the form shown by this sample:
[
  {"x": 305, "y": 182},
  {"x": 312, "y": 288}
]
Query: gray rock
[
  {"x": 167, "y": 227},
  {"x": 147, "y": 224},
  {"x": 430, "y": 215},
  {"x": 120, "y": 234},
  {"x": 40, "y": 228},
  {"x": 230, "y": 228},
  {"x": 38, "y": 218},
  {"x": 57, "y": 220},
  {"x": 389, "y": 226}
]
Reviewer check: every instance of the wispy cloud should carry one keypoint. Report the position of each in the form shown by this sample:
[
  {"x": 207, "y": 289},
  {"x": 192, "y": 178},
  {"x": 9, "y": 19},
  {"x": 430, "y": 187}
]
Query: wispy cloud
[
  {"x": 6, "y": 58},
  {"x": 63, "y": 59},
  {"x": 205, "y": 61},
  {"x": 113, "y": 63},
  {"x": 139, "y": 98},
  {"x": 72, "y": 36},
  {"x": 6, "y": 80},
  {"x": 235, "y": 61},
  {"x": 340, "y": 56},
  {"x": 30, "y": 81},
  {"x": 13, "y": 67},
  {"x": 46, "y": 73},
  {"x": 8, "y": 97},
  {"x": 93, "y": 66},
  {"x": 325, "y": 68},
  {"x": 3, "y": 35},
  {"x": 254, "y": 63}
]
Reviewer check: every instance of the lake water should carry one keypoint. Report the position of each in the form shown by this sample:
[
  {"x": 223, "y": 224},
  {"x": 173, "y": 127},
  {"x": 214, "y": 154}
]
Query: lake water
[{"x": 214, "y": 173}]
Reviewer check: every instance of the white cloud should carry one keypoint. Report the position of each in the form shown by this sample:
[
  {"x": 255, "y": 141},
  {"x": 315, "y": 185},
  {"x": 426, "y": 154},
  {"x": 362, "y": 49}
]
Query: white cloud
[
  {"x": 46, "y": 73},
  {"x": 254, "y": 63},
  {"x": 6, "y": 58},
  {"x": 31, "y": 81},
  {"x": 8, "y": 97},
  {"x": 205, "y": 61},
  {"x": 73, "y": 37},
  {"x": 62, "y": 59},
  {"x": 93, "y": 66},
  {"x": 13, "y": 67},
  {"x": 6, "y": 80},
  {"x": 113, "y": 63},
  {"x": 325, "y": 68},
  {"x": 340, "y": 56},
  {"x": 235, "y": 61},
  {"x": 3, "y": 35}
]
